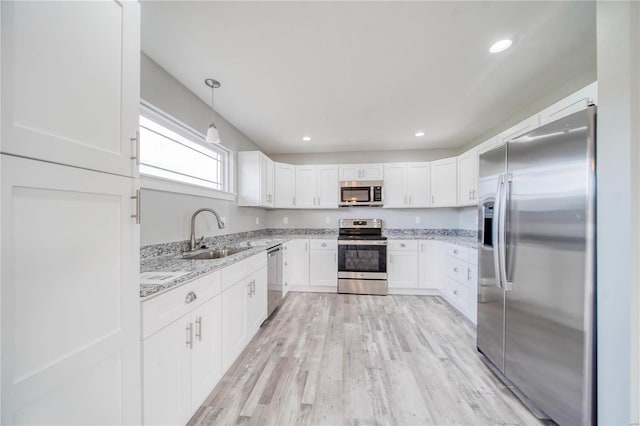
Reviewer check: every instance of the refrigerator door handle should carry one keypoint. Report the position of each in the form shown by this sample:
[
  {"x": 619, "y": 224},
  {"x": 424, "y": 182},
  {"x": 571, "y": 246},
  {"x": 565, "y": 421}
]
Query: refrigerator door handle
[
  {"x": 495, "y": 231},
  {"x": 502, "y": 229}
]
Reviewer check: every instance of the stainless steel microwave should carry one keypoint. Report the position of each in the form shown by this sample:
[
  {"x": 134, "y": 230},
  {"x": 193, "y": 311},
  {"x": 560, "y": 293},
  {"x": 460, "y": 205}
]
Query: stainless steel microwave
[{"x": 360, "y": 193}]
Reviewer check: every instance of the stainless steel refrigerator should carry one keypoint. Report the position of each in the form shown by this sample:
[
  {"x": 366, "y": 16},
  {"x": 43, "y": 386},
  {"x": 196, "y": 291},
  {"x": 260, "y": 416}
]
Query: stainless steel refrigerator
[{"x": 536, "y": 287}]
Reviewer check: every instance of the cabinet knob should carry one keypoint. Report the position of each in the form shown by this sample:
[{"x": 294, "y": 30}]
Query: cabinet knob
[
  {"x": 190, "y": 297},
  {"x": 402, "y": 245},
  {"x": 455, "y": 251},
  {"x": 455, "y": 292},
  {"x": 323, "y": 245},
  {"x": 455, "y": 269}
]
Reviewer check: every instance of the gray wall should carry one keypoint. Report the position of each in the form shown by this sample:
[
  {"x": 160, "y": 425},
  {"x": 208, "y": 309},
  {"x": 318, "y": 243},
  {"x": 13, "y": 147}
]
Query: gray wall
[
  {"x": 617, "y": 209},
  {"x": 166, "y": 216}
]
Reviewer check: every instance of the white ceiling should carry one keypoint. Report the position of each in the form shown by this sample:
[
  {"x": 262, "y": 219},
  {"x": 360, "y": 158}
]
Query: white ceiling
[{"x": 358, "y": 76}]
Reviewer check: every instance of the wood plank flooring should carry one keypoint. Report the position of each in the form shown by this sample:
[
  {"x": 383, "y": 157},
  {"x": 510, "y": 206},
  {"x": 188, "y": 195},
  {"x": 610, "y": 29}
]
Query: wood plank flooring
[{"x": 333, "y": 359}]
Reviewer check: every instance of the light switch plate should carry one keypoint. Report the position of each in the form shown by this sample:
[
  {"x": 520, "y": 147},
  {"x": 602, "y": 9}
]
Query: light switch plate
[
  {"x": 285, "y": 220},
  {"x": 327, "y": 220},
  {"x": 418, "y": 220},
  {"x": 257, "y": 220}
]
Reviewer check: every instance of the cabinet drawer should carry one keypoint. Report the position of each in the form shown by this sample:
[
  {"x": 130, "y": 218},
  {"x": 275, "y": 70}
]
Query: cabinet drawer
[
  {"x": 323, "y": 244},
  {"x": 457, "y": 294},
  {"x": 234, "y": 273},
  {"x": 456, "y": 269},
  {"x": 458, "y": 252},
  {"x": 166, "y": 308},
  {"x": 472, "y": 256},
  {"x": 402, "y": 245}
]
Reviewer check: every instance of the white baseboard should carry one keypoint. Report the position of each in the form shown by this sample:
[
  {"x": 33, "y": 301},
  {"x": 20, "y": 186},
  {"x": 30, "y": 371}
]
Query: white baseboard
[
  {"x": 415, "y": 291},
  {"x": 313, "y": 289}
]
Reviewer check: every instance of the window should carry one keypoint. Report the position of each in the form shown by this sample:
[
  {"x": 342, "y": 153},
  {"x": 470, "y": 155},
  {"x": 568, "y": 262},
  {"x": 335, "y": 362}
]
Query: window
[{"x": 173, "y": 151}]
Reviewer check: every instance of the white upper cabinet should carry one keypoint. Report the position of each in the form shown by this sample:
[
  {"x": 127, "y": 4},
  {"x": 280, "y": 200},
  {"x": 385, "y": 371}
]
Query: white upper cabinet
[
  {"x": 327, "y": 189},
  {"x": 468, "y": 178},
  {"x": 316, "y": 187},
  {"x": 255, "y": 179},
  {"x": 406, "y": 185},
  {"x": 361, "y": 172},
  {"x": 284, "y": 185},
  {"x": 444, "y": 186},
  {"x": 572, "y": 103},
  {"x": 306, "y": 177},
  {"x": 71, "y": 83},
  {"x": 519, "y": 129}
]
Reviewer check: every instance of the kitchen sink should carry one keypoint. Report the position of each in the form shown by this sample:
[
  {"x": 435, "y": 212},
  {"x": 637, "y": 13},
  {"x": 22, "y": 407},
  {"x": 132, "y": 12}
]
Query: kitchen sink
[{"x": 214, "y": 254}]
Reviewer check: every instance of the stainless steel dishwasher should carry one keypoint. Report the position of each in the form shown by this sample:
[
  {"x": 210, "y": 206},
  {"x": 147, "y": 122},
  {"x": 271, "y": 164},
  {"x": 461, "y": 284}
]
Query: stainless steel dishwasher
[{"x": 274, "y": 278}]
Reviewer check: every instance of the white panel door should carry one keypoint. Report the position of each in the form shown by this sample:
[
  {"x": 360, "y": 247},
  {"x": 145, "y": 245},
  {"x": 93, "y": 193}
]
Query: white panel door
[
  {"x": 468, "y": 178},
  {"x": 418, "y": 187},
  {"x": 206, "y": 356},
  {"x": 284, "y": 185},
  {"x": 395, "y": 185},
  {"x": 327, "y": 189},
  {"x": 70, "y": 82},
  {"x": 256, "y": 301},
  {"x": 167, "y": 374},
  {"x": 403, "y": 269},
  {"x": 297, "y": 263},
  {"x": 266, "y": 181},
  {"x": 323, "y": 268},
  {"x": 429, "y": 264},
  {"x": 70, "y": 296},
  {"x": 371, "y": 171},
  {"x": 350, "y": 171},
  {"x": 305, "y": 187},
  {"x": 444, "y": 183},
  {"x": 234, "y": 321}
]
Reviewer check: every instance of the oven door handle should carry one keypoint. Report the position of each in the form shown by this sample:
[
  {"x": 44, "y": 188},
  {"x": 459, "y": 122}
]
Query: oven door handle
[{"x": 361, "y": 243}]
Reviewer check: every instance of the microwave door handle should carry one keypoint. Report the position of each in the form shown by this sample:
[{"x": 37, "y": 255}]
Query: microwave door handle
[{"x": 495, "y": 232}]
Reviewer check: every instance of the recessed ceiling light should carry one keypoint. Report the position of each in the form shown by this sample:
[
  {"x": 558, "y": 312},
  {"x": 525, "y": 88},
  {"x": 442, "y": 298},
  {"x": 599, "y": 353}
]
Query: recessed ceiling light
[
  {"x": 306, "y": 138},
  {"x": 419, "y": 134},
  {"x": 501, "y": 45}
]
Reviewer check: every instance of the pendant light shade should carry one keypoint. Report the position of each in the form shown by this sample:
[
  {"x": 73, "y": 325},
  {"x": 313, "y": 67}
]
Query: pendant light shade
[{"x": 212, "y": 132}]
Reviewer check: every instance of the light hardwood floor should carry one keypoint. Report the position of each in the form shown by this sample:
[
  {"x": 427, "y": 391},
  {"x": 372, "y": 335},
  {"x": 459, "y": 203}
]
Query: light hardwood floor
[{"x": 330, "y": 359}]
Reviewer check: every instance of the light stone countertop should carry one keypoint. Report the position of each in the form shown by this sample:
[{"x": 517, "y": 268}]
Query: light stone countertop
[{"x": 195, "y": 268}]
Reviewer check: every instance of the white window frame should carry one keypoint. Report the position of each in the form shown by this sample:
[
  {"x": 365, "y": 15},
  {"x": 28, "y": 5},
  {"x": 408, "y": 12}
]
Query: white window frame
[{"x": 156, "y": 183}]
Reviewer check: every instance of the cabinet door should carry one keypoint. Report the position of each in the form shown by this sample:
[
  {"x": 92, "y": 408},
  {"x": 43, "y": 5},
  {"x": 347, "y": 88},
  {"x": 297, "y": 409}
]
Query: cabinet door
[
  {"x": 70, "y": 297},
  {"x": 444, "y": 185},
  {"x": 305, "y": 187},
  {"x": 266, "y": 181},
  {"x": 429, "y": 265},
  {"x": 296, "y": 260},
  {"x": 167, "y": 374},
  {"x": 418, "y": 185},
  {"x": 327, "y": 187},
  {"x": 395, "y": 185},
  {"x": 323, "y": 268},
  {"x": 403, "y": 269},
  {"x": 468, "y": 178},
  {"x": 70, "y": 82},
  {"x": 234, "y": 322},
  {"x": 520, "y": 129},
  {"x": 349, "y": 171},
  {"x": 284, "y": 185},
  {"x": 206, "y": 356},
  {"x": 371, "y": 171},
  {"x": 256, "y": 301}
]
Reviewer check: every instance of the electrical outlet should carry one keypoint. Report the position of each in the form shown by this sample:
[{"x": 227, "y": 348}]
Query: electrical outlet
[
  {"x": 327, "y": 220},
  {"x": 257, "y": 220},
  {"x": 285, "y": 220},
  {"x": 223, "y": 220},
  {"x": 418, "y": 220}
]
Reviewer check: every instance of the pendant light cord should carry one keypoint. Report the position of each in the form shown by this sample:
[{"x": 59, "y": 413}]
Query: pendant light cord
[{"x": 212, "y": 89}]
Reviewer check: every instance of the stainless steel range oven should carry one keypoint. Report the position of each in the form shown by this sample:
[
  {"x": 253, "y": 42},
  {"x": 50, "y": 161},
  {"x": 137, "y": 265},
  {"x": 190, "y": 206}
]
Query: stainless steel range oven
[{"x": 362, "y": 257}]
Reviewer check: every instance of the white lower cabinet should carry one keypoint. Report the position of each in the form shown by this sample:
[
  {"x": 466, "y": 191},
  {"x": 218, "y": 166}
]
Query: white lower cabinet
[
  {"x": 182, "y": 364},
  {"x": 295, "y": 268},
  {"x": 194, "y": 333},
  {"x": 460, "y": 282},
  {"x": 402, "y": 265},
  {"x": 323, "y": 263},
  {"x": 429, "y": 264}
]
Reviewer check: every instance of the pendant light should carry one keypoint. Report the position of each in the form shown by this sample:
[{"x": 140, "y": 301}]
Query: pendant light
[{"x": 212, "y": 131}]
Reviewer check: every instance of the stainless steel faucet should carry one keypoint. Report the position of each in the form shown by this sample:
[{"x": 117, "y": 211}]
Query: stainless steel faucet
[{"x": 192, "y": 240}]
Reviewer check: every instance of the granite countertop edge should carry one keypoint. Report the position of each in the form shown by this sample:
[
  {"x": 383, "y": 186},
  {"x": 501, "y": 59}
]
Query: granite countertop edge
[{"x": 197, "y": 268}]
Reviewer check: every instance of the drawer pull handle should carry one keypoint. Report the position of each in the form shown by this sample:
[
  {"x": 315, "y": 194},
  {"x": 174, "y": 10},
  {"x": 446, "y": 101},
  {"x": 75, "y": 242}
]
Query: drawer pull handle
[
  {"x": 468, "y": 274},
  {"x": 323, "y": 245},
  {"x": 191, "y": 296},
  {"x": 402, "y": 245}
]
